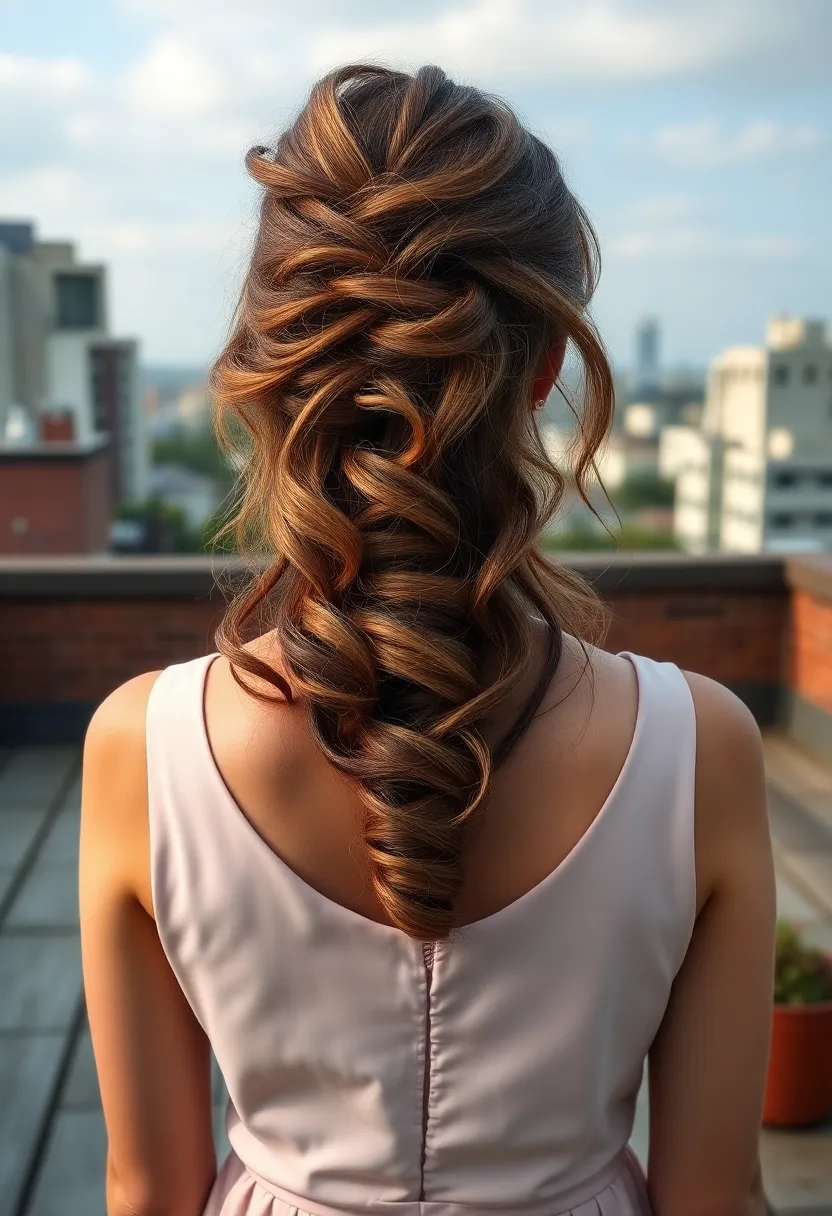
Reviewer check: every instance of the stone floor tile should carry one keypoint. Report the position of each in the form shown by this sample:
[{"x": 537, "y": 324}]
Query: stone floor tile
[
  {"x": 7, "y": 874},
  {"x": 791, "y": 904},
  {"x": 17, "y": 831},
  {"x": 794, "y": 828},
  {"x": 814, "y": 871},
  {"x": 797, "y": 1168},
  {"x": 61, "y": 844},
  {"x": 40, "y": 981},
  {"x": 47, "y": 899},
  {"x": 72, "y": 1175},
  {"x": 71, "y": 800},
  {"x": 28, "y": 1068},
  {"x": 794, "y": 767},
  {"x": 81, "y": 1087},
  {"x": 34, "y": 775}
]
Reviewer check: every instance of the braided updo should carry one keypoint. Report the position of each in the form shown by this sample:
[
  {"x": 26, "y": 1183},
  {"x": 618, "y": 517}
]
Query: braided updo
[{"x": 418, "y": 256}]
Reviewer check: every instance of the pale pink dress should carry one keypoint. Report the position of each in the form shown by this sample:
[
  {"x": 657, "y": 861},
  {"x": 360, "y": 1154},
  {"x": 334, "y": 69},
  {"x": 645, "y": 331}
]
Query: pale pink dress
[{"x": 367, "y": 1078}]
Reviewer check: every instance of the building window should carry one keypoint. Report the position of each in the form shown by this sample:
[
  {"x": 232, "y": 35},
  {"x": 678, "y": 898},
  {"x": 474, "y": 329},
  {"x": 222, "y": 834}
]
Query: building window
[
  {"x": 782, "y": 520},
  {"x": 76, "y": 301},
  {"x": 810, "y": 374},
  {"x": 781, "y": 373},
  {"x": 784, "y": 481}
]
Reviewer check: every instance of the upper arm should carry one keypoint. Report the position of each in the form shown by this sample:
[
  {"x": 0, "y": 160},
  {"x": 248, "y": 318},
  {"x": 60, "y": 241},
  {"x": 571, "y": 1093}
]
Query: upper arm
[
  {"x": 708, "y": 1062},
  {"x": 152, "y": 1056}
]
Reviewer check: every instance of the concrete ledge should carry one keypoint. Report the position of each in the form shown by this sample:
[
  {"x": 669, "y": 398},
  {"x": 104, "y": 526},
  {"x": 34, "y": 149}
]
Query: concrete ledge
[
  {"x": 813, "y": 574},
  {"x": 180, "y": 575},
  {"x": 808, "y": 724},
  {"x": 53, "y": 449},
  {"x": 176, "y": 576},
  {"x": 627, "y": 572}
]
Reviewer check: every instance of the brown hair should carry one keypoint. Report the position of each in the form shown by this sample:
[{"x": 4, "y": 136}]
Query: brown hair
[{"x": 418, "y": 255}]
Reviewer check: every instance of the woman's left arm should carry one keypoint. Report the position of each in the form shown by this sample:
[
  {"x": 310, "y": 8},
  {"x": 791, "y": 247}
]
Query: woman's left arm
[{"x": 152, "y": 1056}]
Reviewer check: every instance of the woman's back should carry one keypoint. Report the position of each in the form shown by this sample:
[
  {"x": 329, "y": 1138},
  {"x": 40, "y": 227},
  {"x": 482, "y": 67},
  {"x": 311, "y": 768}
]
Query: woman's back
[
  {"x": 499, "y": 1068},
  {"x": 432, "y": 909}
]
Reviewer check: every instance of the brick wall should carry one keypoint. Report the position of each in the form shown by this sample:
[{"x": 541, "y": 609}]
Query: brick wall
[
  {"x": 54, "y": 501},
  {"x": 734, "y": 636},
  {"x": 71, "y": 631}
]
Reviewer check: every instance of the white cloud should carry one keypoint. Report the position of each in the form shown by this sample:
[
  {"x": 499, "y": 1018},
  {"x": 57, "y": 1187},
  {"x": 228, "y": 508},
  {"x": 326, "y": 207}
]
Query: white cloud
[
  {"x": 175, "y": 80},
  {"x": 686, "y": 228},
  {"x": 598, "y": 39},
  {"x": 144, "y": 167},
  {"x": 706, "y": 145},
  {"x": 664, "y": 209},
  {"x": 61, "y": 79}
]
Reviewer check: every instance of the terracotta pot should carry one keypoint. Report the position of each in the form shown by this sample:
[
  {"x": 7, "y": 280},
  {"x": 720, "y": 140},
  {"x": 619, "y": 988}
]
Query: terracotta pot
[{"x": 799, "y": 1081}]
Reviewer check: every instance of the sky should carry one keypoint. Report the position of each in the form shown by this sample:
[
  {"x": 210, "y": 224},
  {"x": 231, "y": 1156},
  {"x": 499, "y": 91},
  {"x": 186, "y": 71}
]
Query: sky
[{"x": 697, "y": 136}]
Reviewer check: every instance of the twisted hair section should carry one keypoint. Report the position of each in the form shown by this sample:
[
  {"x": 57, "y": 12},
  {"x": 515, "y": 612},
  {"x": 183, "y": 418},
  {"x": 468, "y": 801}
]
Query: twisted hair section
[{"x": 418, "y": 255}]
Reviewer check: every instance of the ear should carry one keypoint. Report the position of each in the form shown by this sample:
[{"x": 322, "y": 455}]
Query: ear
[{"x": 550, "y": 370}]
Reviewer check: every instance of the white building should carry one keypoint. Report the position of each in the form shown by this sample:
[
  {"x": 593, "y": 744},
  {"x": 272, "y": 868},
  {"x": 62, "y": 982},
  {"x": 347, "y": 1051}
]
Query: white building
[
  {"x": 757, "y": 475},
  {"x": 57, "y": 354}
]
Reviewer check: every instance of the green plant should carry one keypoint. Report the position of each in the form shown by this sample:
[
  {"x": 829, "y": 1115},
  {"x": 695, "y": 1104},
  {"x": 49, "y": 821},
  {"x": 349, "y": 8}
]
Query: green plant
[
  {"x": 802, "y": 974},
  {"x": 595, "y": 539}
]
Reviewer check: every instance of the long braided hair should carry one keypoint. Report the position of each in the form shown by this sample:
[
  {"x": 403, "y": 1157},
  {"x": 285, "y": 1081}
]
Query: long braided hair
[{"x": 418, "y": 254}]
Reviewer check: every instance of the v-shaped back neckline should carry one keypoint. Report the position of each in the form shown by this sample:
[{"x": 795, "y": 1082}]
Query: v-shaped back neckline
[{"x": 481, "y": 924}]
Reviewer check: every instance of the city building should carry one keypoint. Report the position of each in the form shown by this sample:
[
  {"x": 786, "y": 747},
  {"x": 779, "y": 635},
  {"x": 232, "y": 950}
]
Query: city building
[
  {"x": 57, "y": 354},
  {"x": 55, "y": 495},
  {"x": 756, "y": 476},
  {"x": 647, "y": 360}
]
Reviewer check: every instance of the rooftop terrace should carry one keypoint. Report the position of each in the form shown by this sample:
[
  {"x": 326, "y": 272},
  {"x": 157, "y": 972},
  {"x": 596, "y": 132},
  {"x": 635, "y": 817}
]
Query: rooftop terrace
[{"x": 71, "y": 629}]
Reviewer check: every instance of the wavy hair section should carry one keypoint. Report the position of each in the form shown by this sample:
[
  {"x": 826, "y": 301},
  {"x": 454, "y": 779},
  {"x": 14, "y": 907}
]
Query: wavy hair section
[{"x": 418, "y": 254}]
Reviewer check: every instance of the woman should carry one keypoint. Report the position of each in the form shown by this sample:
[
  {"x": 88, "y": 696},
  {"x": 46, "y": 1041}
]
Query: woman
[{"x": 431, "y": 874}]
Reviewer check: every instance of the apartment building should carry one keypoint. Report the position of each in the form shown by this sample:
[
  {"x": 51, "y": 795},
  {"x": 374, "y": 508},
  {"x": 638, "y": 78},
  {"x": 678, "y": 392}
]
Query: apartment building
[
  {"x": 58, "y": 357},
  {"x": 756, "y": 476}
]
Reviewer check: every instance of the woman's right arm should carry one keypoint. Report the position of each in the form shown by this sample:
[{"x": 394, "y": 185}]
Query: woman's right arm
[{"x": 708, "y": 1062}]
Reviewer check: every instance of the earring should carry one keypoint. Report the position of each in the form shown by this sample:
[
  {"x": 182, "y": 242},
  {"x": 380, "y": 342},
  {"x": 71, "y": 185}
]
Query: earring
[{"x": 538, "y": 405}]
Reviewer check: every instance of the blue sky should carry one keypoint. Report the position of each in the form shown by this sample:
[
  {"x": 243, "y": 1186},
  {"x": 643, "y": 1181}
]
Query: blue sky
[{"x": 697, "y": 136}]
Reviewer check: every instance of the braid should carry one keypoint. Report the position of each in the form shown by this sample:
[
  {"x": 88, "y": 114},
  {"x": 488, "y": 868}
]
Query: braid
[{"x": 417, "y": 254}]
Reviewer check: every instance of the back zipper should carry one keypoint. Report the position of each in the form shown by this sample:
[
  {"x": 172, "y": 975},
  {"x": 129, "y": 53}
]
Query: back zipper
[{"x": 428, "y": 951}]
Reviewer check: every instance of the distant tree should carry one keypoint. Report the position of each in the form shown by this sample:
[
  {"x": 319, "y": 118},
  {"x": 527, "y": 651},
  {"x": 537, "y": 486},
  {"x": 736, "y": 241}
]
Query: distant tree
[
  {"x": 197, "y": 451},
  {"x": 166, "y": 528},
  {"x": 643, "y": 490},
  {"x": 626, "y": 537}
]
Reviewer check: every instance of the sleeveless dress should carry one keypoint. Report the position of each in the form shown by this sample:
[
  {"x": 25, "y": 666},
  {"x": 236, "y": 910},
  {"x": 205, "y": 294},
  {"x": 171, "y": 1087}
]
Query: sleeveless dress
[{"x": 496, "y": 1073}]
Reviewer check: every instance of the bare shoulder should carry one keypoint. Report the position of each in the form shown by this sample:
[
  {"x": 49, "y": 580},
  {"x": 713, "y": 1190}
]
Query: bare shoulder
[
  {"x": 729, "y": 747},
  {"x": 122, "y": 710},
  {"x": 730, "y": 807},
  {"x": 116, "y": 732},
  {"x": 114, "y": 820}
]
